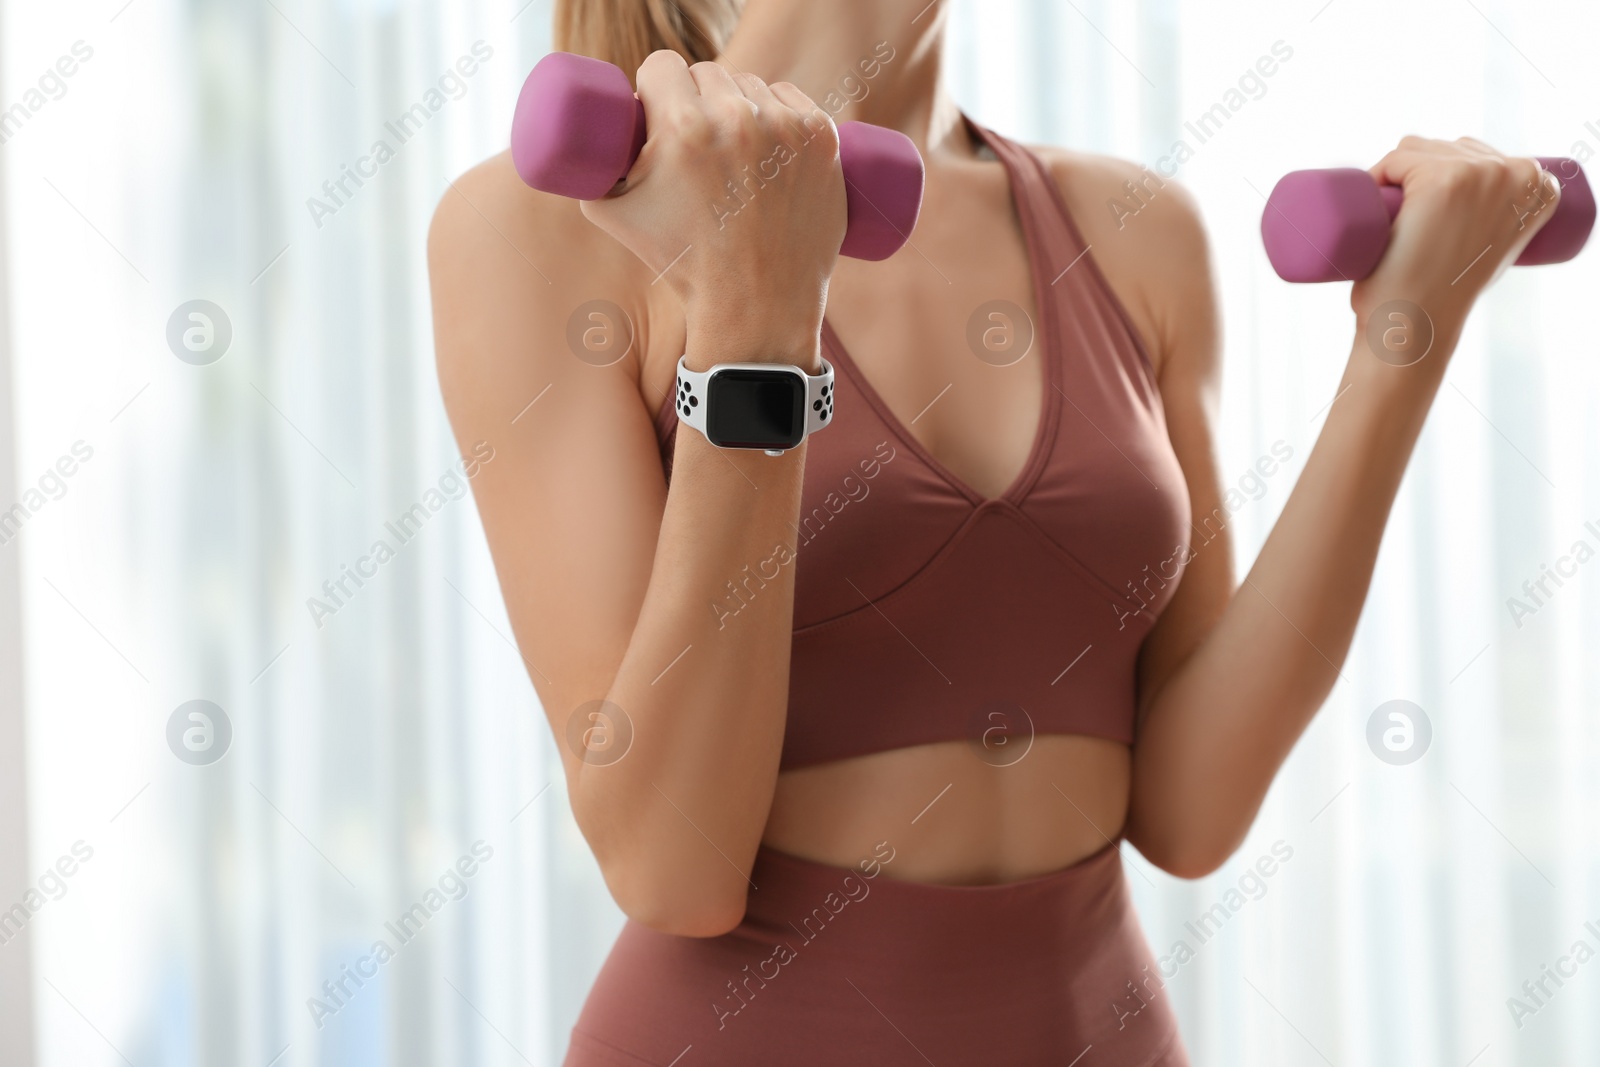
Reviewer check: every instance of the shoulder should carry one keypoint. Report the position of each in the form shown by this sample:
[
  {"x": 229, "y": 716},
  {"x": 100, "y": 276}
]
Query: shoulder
[
  {"x": 489, "y": 228},
  {"x": 1110, "y": 195},
  {"x": 1146, "y": 234},
  {"x": 488, "y": 206},
  {"x": 509, "y": 265}
]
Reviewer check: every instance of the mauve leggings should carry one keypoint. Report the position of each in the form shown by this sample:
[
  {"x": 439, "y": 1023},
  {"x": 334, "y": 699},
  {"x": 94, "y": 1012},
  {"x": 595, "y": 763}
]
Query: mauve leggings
[{"x": 832, "y": 967}]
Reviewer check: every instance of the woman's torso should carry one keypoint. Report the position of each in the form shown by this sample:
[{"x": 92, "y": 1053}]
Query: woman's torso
[{"x": 958, "y": 813}]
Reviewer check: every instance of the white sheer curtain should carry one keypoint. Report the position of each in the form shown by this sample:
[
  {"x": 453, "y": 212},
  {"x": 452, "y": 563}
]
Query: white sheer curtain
[
  {"x": 378, "y": 739},
  {"x": 371, "y": 748}
]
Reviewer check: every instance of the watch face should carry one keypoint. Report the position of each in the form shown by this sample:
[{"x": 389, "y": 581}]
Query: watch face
[{"x": 756, "y": 409}]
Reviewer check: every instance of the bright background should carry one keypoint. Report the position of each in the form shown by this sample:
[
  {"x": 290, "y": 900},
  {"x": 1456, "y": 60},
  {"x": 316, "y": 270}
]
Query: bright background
[{"x": 369, "y": 754}]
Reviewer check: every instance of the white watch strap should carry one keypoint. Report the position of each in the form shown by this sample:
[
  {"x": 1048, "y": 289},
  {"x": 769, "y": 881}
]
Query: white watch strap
[
  {"x": 693, "y": 390},
  {"x": 819, "y": 398},
  {"x": 692, "y": 395}
]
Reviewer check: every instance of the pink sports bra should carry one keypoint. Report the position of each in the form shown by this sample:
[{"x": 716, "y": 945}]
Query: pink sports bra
[{"x": 925, "y": 612}]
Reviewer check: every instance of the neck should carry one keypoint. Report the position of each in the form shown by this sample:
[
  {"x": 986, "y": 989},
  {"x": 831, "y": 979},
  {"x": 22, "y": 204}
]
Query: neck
[{"x": 871, "y": 61}]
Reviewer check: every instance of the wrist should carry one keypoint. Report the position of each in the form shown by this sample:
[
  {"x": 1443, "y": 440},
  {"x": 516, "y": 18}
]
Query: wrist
[
  {"x": 1395, "y": 333},
  {"x": 714, "y": 337},
  {"x": 1390, "y": 388},
  {"x": 1441, "y": 312}
]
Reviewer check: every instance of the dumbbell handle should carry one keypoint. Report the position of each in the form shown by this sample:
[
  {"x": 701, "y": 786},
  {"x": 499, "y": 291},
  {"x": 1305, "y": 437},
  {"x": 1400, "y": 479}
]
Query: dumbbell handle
[
  {"x": 1334, "y": 225},
  {"x": 578, "y": 129}
]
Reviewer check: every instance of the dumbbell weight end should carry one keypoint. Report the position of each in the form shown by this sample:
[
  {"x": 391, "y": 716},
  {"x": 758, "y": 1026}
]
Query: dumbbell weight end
[
  {"x": 578, "y": 129},
  {"x": 1334, "y": 225}
]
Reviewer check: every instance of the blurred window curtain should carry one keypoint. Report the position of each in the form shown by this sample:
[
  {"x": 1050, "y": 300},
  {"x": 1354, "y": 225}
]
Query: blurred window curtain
[
  {"x": 234, "y": 463},
  {"x": 16, "y": 947}
]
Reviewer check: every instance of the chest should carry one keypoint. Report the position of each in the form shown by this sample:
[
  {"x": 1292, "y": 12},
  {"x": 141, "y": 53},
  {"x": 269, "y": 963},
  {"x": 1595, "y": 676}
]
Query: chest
[
  {"x": 947, "y": 332},
  {"x": 988, "y": 371}
]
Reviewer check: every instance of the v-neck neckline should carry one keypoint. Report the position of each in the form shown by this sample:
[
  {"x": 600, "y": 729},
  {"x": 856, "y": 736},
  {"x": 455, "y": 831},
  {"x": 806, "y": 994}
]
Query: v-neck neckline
[{"x": 1044, "y": 341}]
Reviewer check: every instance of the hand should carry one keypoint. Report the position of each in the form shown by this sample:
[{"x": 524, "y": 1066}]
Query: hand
[
  {"x": 1468, "y": 213},
  {"x": 737, "y": 197}
]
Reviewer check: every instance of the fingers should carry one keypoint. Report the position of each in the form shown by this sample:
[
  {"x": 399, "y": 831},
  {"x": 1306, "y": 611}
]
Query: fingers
[
  {"x": 1423, "y": 152},
  {"x": 793, "y": 112},
  {"x": 1529, "y": 175},
  {"x": 813, "y": 120},
  {"x": 665, "y": 75},
  {"x": 758, "y": 92},
  {"x": 1470, "y": 169},
  {"x": 714, "y": 80},
  {"x": 793, "y": 98},
  {"x": 665, "y": 88},
  {"x": 706, "y": 102},
  {"x": 1393, "y": 168},
  {"x": 1412, "y": 153},
  {"x": 1416, "y": 151},
  {"x": 1477, "y": 147}
]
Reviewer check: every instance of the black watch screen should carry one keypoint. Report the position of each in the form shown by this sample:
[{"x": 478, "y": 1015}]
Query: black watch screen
[{"x": 756, "y": 409}]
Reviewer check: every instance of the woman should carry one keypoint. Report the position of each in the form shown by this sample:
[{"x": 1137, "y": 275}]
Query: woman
[{"x": 853, "y": 731}]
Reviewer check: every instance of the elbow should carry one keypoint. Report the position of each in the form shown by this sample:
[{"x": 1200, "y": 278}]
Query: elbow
[
  {"x": 1189, "y": 865},
  {"x": 671, "y": 893},
  {"x": 684, "y": 919},
  {"x": 660, "y": 880},
  {"x": 1188, "y": 856},
  {"x": 681, "y": 910},
  {"x": 1189, "y": 837}
]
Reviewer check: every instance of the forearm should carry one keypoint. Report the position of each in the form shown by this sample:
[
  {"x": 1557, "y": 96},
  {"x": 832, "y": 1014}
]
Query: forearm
[
  {"x": 704, "y": 682},
  {"x": 1216, "y": 733}
]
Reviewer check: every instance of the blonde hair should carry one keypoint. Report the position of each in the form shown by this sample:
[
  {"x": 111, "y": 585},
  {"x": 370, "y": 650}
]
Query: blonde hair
[{"x": 624, "y": 32}]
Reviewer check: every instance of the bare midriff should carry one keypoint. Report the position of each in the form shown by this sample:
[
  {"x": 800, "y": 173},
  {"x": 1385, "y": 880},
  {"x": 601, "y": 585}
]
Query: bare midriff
[{"x": 956, "y": 817}]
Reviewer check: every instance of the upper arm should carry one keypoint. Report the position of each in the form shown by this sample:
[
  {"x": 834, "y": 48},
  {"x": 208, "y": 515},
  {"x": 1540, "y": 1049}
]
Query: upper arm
[
  {"x": 571, "y": 501},
  {"x": 1181, "y": 291},
  {"x": 1153, "y": 250}
]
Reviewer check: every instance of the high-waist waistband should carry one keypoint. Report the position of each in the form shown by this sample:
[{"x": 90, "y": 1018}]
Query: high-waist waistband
[
  {"x": 796, "y": 898},
  {"x": 841, "y": 966}
]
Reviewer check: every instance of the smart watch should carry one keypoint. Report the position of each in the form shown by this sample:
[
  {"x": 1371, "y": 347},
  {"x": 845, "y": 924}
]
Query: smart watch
[{"x": 769, "y": 406}]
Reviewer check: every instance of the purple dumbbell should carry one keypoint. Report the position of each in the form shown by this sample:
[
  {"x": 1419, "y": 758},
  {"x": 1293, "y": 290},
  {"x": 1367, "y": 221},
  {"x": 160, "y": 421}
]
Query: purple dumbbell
[
  {"x": 578, "y": 128},
  {"x": 1333, "y": 225}
]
